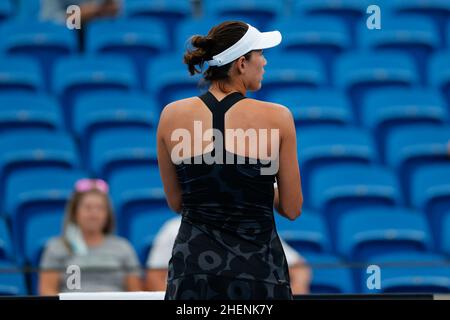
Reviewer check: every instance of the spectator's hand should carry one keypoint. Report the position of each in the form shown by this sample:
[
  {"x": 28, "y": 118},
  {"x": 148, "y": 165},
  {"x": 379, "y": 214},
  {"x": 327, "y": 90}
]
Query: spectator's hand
[
  {"x": 109, "y": 9},
  {"x": 89, "y": 11}
]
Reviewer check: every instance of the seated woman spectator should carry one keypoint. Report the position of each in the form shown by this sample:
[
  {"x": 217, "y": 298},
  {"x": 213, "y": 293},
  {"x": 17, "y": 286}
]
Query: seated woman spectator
[
  {"x": 106, "y": 262},
  {"x": 159, "y": 256}
]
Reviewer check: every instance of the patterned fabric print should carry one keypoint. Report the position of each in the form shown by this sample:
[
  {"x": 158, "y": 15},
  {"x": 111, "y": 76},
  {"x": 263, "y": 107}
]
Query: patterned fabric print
[{"x": 227, "y": 246}]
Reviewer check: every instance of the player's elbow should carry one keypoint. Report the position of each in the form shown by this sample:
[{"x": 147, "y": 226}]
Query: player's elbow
[{"x": 292, "y": 211}]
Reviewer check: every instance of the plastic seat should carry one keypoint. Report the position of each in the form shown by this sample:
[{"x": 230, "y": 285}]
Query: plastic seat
[
  {"x": 430, "y": 192},
  {"x": 45, "y": 42},
  {"x": 98, "y": 111},
  {"x": 12, "y": 281},
  {"x": 340, "y": 188},
  {"x": 437, "y": 11},
  {"x": 257, "y": 13},
  {"x": 136, "y": 190},
  {"x": 144, "y": 227},
  {"x": 360, "y": 72},
  {"x": 6, "y": 9},
  {"x": 35, "y": 203},
  {"x": 329, "y": 274},
  {"x": 407, "y": 149},
  {"x": 367, "y": 232},
  {"x": 6, "y": 246},
  {"x": 325, "y": 38},
  {"x": 439, "y": 73},
  {"x": 76, "y": 75},
  {"x": 412, "y": 272},
  {"x": 167, "y": 76},
  {"x": 190, "y": 27},
  {"x": 313, "y": 108},
  {"x": 318, "y": 148},
  {"x": 170, "y": 12},
  {"x": 35, "y": 150},
  {"x": 386, "y": 109},
  {"x": 291, "y": 70},
  {"x": 415, "y": 36},
  {"x": 308, "y": 234},
  {"x": 349, "y": 11},
  {"x": 29, "y": 111},
  {"x": 137, "y": 39},
  {"x": 444, "y": 244},
  {"x": 113, "y": 149},
  {"x": 20, "y": 75}
]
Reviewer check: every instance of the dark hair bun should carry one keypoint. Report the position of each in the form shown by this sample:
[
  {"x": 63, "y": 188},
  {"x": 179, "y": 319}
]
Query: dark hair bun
[{"x": 198, "y": 56}]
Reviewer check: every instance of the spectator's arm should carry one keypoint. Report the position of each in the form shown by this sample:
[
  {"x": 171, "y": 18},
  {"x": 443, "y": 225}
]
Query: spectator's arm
[
  {"x": 133, "y": 282},
  {"x": 49, "y": 283},
  {"x": 156, "y": 279},
  {"x": 133, "y": 279},
  {"x": 300, "y": 274},
  {"x": 52, "y": 260}
]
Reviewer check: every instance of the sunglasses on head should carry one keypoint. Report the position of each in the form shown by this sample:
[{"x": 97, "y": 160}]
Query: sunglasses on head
[{"x": 84, "y": 185}]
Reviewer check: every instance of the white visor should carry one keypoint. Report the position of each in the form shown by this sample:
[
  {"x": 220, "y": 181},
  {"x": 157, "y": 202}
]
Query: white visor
[{"x": 253, "y": 39}]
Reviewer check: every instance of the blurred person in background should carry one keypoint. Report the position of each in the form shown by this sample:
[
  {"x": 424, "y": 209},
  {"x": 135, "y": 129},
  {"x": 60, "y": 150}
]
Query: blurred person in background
[
  {"x": 88, "y": 242},
  {"x": 56, "y": 11},
  {"x": 159, "y": 256}
]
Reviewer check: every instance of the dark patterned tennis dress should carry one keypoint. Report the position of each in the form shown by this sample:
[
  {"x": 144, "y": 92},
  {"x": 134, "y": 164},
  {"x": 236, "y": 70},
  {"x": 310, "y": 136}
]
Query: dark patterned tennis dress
[{"x": 227, "y": 246}]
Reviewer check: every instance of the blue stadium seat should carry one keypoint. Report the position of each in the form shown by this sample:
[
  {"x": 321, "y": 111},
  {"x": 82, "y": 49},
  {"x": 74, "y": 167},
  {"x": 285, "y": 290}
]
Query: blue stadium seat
[
  {"x": 75, "y": 75},
  {"x": 29, "y": 111},
  {"x": 6, "y": 9},
  {"x": 97, "y": 111},
  {"x": 349, "y": 11},
  {"x": 409, "y": 148},
  {"x": 168, "y": 77},
  {"x": 6, "y": 246},
  {"x": 291, "y": 70},
  {"x": 387, "y": 109},
  {"x": 256, "y": 12},
  {"x": 340, "y": 188},
  {"x": 170, "y": 12},
  {"x": 367, "y": 232},
  {"x": 436, "y": 10},
  {"x": 444, "y": 245},
  {"x": 324, "y": 37},
  {"x": 20, "y": 74},
  {"x": 137, "y": 39},
  {"x": 45, "y": 42},
  {"x": 439, "y": 73},
  {"x": 12, "y": 281},
  {"x": 313, "y": 108},
  {"x": 415, "y": 36},
  {"x": 28, "y": 9},
  {"x": 359, "y": 72},
  {"x": 329, "y": 274},
  {"x": 138, "y": 196},
  {"x": 35, "y": 202},
  {"x": 308, "y": 234},
  {"x": 430, "y": 192},
  {"x": 319, "y": 148},
  {"x": 191, "y": 27},
  {"x": 112, "y": 149},
  {"x": 413, "y": 272},
  {"x": 35, "y": 150},
  {"x": 144, "y": 227}
]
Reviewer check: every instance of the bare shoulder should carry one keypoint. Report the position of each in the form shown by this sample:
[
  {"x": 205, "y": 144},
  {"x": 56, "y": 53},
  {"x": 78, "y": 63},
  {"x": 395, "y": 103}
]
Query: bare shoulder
[
  {"x": 178, "y": 106},
  {"x": 275, "y": 111},
  {"x": 178, "y": 109}
]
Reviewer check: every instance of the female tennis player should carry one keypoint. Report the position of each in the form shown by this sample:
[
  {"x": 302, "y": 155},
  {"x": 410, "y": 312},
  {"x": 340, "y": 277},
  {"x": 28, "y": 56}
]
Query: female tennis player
[{"x": 222, "y": 181}]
